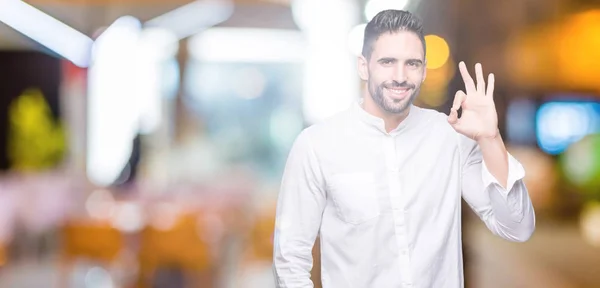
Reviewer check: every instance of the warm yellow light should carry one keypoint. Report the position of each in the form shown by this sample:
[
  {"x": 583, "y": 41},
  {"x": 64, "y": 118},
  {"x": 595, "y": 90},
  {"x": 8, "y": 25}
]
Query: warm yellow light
[
  {"x": 438, "y": 51},
  {"x": 579, "y": 50},
  {"x": 563, "y": 55},
  {"x": 589, "y": 223},
  {"x": 434, "y": 90}
]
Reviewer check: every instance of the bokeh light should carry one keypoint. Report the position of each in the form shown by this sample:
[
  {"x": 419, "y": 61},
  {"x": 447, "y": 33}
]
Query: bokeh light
[
  {"x": 589, "y": 222},
  {"x": 434, "y": 90},
  {"x": 438, "y": 51},
  {"x": 579, "y": 49},
  {"x": 375, "y": 6},
  {"x": 356, "y": 38},
  {"x": 581, "y": 164},
  {"x": 561, "y": 123},
  {"x": 541, "y": 175}
]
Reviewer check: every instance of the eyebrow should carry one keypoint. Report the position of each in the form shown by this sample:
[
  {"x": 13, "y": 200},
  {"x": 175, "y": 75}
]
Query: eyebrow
[
  {"x": 415, "y": 60},
  {"x": 391, "y": 59},
  {"x": 387, "y": 59}
]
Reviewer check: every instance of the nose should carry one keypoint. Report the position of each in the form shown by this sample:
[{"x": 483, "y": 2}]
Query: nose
[{"x": 399, "y": 73}]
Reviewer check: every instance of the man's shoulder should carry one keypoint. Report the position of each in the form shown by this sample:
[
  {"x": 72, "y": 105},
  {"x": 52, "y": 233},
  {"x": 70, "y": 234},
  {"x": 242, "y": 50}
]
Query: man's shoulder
[
  {"x": 432, "y": 115},
  {"x": 329, "y": 125},
  {"x": 436, "y": 124},
  {"x": 327, "y": 130},
  {"x": 441, "y": 120},
  {"x": 433, "y": 121}
]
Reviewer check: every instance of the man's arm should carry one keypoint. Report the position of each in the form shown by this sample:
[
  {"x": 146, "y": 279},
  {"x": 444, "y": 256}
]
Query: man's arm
[
  {"x": 493, "y": 187},
  {"x": 299, "y": 210}
]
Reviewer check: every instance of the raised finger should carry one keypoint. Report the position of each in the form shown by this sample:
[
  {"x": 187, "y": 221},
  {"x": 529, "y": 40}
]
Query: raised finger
[
  {"x": 469, "y": 84},
  {"x": 480, "y": 79},
  {"x": 490, "y": 85}
]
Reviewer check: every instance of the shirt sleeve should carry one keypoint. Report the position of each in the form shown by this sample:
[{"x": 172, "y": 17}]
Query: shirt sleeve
[
  {"x": 300, "y": 206},
  {"x": 507, "y": 212}
]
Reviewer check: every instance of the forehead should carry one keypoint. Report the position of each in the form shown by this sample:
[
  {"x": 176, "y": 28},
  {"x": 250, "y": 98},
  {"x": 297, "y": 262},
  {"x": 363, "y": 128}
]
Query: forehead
[{"x": 399, "y": 45}]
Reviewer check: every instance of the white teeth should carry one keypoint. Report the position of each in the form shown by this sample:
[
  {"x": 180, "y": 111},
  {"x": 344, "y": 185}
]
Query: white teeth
[{"x": 398, "y": 91}]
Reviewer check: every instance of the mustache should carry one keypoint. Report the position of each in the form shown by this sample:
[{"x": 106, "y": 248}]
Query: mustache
[{"x": 396, "y": 84}]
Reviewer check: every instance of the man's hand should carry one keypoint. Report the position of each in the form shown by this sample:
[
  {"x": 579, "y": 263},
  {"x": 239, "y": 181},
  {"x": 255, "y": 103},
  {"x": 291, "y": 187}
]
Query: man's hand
[{"x": 479, "y": 120}]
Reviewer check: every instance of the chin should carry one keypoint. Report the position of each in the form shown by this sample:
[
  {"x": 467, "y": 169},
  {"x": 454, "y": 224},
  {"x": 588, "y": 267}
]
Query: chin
[{"x": 397, "y": 107}]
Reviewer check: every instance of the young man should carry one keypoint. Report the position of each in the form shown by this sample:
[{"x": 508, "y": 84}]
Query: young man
[{"x": 381, "y": 183}]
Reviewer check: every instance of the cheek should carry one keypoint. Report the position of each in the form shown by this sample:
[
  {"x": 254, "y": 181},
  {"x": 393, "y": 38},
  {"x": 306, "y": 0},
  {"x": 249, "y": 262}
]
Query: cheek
[
  {"x": 416, "y": 76},
  {"x": 380, "y": 75}
]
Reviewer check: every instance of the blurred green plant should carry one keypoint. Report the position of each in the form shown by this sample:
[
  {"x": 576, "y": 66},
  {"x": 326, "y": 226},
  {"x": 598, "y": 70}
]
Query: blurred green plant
[
  {"x": 35, "y": 140},
  {"x": 580, "y": 164}
]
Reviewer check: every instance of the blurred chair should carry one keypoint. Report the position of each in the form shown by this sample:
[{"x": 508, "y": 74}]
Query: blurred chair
[
  {"x": 254, "y": 268},
  {"x": 89, "y": 240},
  {"x": 260, "y": 248},
  {"x": 180, "y": 246},
  {"x": 261, "y": 238},
  {"x": 3, "y": 256}
]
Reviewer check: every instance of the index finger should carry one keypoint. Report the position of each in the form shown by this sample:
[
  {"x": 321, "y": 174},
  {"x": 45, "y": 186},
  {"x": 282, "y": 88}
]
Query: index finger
[{"x": 469, "y": 84}]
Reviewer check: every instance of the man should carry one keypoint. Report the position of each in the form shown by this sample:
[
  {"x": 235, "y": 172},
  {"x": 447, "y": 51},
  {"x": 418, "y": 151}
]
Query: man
[{"x": 382, "y": 182}]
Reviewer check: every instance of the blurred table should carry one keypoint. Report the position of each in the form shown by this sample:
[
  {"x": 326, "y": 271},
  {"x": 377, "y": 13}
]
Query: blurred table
[{"x": 556, "y": 256}]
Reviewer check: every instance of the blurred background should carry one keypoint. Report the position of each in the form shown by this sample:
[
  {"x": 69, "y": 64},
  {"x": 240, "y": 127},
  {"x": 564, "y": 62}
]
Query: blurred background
[{"x": 142, "y": 141}]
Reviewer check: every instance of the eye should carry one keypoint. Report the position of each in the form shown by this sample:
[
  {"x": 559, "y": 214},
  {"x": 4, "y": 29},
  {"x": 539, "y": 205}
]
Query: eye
[{"x": 413, "y": 64}]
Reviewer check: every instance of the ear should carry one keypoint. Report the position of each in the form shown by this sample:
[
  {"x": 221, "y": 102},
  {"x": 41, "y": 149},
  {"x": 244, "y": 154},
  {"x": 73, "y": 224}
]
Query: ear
[{"x": 363, "y": 68}]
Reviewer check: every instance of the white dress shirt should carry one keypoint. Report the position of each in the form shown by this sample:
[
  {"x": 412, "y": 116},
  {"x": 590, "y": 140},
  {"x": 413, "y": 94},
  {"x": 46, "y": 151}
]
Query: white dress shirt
[{"x": 387, "y": 206}]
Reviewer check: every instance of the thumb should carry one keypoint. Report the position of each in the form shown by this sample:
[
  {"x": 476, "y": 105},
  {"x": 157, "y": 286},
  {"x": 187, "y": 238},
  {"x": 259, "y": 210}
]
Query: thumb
[{"x": 455, "y": 122}]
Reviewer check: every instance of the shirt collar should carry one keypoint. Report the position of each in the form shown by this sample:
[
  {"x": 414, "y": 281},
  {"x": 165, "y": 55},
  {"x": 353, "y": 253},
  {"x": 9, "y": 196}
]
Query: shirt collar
[{"x": 378, "y": 123}]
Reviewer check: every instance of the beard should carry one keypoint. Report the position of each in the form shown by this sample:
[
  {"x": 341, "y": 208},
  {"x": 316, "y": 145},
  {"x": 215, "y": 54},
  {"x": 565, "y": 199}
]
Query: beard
[{"x": 390, "y": 105}]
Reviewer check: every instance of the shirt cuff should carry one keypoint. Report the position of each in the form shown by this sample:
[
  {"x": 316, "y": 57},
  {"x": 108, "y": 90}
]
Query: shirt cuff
[{"x": 516, "y": 172}]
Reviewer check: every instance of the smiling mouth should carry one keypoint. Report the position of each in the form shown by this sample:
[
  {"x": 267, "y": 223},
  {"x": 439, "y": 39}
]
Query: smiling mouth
[{"x": 399, "y": 92}]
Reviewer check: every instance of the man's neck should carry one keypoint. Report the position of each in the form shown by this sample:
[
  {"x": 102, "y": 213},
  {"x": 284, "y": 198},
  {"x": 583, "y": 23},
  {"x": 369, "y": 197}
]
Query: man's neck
[{"x": 391, "y": 120}]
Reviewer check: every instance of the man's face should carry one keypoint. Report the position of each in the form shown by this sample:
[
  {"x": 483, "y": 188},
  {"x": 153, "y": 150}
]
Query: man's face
[{"x": 395, "y": 70}]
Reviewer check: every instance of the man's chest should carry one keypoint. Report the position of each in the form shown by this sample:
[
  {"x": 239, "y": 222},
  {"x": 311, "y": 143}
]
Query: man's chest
[{"x": 387, "y": 176}]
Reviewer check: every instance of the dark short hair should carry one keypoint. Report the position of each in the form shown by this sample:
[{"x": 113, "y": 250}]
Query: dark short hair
[{"x": 391, "y": 21}]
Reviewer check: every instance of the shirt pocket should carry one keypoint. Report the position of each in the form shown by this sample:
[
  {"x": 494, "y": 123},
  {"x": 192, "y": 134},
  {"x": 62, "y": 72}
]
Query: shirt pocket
[{"x": 354, "y": 196}]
